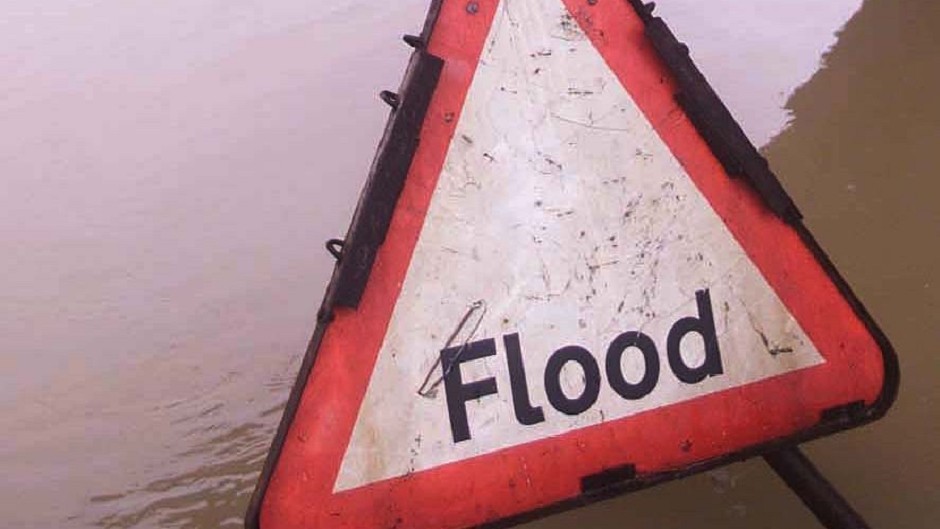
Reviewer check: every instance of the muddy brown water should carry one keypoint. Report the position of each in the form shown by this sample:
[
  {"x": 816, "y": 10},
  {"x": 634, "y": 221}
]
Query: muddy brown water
[{"x": 171, "y": 169}]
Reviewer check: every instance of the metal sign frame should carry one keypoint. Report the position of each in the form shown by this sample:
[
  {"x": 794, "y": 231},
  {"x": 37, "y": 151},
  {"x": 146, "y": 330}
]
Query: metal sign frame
[{"x": 357, "y": 252}]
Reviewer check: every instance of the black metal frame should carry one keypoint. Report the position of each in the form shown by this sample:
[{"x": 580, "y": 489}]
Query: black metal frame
[
  {"x": 799, "y": 473},
  {"x": 740, "y": 158},
  {"x": 356, "y": 254}
]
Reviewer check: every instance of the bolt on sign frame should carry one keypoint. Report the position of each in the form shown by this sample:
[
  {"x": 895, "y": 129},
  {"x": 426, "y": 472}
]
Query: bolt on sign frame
[{"x": 799, "y": 359}]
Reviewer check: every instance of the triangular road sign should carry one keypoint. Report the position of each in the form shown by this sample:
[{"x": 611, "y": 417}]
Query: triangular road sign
[{"x": 582, "y": 280}]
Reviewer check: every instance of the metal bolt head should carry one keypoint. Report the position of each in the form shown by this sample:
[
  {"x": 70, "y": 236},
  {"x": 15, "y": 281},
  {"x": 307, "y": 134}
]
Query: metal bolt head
[{"x": 473, "y": 7}]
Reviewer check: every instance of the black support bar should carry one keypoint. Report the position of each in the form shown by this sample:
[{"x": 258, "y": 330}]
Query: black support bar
[{"x": 801, "y": 475}]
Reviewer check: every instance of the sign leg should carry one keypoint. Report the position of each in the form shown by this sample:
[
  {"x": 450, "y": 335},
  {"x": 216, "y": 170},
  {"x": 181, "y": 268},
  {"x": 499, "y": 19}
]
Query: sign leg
[{"x": 814, "y": 489}]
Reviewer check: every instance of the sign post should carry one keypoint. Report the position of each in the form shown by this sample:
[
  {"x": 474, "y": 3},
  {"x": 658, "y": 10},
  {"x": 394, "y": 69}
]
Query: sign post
[
  {"x": 570, "y": 275},
  {"x": 814, "y": 490}
]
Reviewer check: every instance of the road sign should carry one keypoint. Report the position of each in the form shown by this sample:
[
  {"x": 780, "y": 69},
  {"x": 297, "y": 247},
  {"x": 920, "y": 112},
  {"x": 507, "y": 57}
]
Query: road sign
[{"x": 582, "y": 280}]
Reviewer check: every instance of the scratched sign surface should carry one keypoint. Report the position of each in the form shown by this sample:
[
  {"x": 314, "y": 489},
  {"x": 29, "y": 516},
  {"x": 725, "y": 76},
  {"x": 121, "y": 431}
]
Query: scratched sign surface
[
  {"x": 571, "y": 287},
  {"x": 564, "y": 213}
]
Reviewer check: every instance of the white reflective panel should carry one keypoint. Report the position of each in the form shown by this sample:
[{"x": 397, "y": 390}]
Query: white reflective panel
[{"x": 562, "y": 209}]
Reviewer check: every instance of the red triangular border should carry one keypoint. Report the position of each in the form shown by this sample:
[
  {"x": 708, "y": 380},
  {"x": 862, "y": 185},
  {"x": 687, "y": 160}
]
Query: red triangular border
[{"x": 660, "y": 444}]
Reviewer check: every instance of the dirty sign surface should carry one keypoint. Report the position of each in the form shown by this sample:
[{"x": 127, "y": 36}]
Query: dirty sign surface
[{"x": 571, "y": 296}]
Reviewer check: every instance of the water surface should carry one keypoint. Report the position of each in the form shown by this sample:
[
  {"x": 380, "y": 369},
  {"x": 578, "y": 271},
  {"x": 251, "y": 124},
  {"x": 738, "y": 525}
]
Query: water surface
[{"x": 171, "y": 169}]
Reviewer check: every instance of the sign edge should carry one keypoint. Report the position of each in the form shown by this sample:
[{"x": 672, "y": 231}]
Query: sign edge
[{"x": 851, "y": 416}]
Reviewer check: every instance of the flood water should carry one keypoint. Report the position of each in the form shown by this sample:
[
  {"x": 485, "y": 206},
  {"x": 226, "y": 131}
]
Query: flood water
[{"x": 170, "y": 170}]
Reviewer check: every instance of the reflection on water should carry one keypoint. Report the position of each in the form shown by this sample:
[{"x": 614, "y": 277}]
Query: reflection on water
[{"x": 175, "y": 171}]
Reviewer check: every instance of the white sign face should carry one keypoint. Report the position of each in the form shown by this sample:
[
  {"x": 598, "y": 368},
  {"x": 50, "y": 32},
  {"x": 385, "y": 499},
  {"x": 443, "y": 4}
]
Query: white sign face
[{"x": 606, "y": 285}]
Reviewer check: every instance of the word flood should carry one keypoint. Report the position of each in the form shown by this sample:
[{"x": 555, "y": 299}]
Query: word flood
[{"x": 459, "y": 392}]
